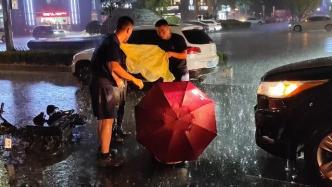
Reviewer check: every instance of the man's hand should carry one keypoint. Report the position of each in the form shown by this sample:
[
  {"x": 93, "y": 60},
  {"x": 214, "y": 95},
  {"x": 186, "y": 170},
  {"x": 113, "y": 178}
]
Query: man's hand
[
  {"x": 138, "y": 83},
  {"x": 119, "y": 82},
  {"x": 169, "y": 54},
  {"x": 182, "y": 55}
]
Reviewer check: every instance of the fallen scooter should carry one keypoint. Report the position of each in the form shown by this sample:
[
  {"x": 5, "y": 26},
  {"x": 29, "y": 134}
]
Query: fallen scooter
[{"x": 46, "y": 135}]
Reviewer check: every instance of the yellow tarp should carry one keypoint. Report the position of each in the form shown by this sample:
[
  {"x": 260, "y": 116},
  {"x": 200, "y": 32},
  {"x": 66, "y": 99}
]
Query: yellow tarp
[{"x": 148, "y": 60}]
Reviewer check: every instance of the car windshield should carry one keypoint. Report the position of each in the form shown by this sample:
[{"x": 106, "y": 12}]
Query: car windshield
[{"x": 318, "y": 18}]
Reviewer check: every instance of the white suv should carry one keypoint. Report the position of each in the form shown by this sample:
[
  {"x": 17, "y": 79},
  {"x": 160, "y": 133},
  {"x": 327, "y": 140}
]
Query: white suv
[
  {"x": 2, "y": 35},
  {"x": 312, "y": 23},
  {"x": 255, "y": 21},
  {"x": 202, "y": 55},
  {"x": 216, "y": 26}
]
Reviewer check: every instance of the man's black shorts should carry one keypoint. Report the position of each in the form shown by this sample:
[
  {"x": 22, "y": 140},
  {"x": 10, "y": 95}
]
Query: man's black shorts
[{"x": 105, "y": 100}]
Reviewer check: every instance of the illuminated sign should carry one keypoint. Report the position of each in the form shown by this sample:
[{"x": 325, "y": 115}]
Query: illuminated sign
[
  {"x": 14, "y": 4},
  {"x": 172, "y": 8},
  {"x": 54, "y": 14}
]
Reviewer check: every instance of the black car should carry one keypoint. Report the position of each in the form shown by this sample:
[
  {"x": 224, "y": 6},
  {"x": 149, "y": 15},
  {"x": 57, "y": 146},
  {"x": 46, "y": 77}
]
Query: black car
[
  {"x": 294, "y": 114},
  {"x": 45, "y": 31},
  {"x": 234, "y": 24}
]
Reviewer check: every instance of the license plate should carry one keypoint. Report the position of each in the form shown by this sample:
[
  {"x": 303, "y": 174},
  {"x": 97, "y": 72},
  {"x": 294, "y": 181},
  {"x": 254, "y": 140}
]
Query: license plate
[
  {"x": 211, "y": 64},
  {"x": 8, "y": 143}
]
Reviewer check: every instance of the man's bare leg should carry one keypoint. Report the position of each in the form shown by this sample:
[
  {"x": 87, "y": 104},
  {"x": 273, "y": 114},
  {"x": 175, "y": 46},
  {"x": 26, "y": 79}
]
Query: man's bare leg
[
  {"x": 105, "y": 137},
  {"x": 105, "y": 134}
]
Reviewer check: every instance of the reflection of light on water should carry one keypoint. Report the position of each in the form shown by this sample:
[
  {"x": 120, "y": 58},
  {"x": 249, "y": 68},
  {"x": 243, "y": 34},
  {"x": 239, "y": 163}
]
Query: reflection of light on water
[
  {"x": 305, "y": 39},
  {"x": 289, "y": 37},
  {"x": 43, "y": 94},
  {"x": 289, "y": 40},
  {"x": 7, "y": 98},
  {"x": 328, "y": 45},
  {"x": 3, "y": 175}
]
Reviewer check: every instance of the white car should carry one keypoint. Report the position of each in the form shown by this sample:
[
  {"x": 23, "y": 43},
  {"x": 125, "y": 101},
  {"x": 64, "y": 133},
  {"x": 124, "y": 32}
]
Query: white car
[
  {"x": 202, "y": 55},
  {"x": 2, "y": 35},
  {"x": 216, "y": 26},
  {"x": 312, "y": 23},
  {"x": 255, "y": 21}
]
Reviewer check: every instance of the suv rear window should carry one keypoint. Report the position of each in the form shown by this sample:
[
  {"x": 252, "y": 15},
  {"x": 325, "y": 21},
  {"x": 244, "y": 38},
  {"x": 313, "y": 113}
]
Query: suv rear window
[
  {"x": 196, "y": 36},
  {"x": 143, "y": 37},
  {"x": 318, "y": 18}
]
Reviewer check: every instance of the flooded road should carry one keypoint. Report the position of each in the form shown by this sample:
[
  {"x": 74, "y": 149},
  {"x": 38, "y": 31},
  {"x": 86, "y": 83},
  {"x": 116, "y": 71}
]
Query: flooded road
[{"x": 232, "y": 159}]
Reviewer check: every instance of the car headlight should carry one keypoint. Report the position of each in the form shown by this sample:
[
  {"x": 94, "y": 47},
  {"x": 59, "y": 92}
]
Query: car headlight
[{"x": 284, "y": 89}]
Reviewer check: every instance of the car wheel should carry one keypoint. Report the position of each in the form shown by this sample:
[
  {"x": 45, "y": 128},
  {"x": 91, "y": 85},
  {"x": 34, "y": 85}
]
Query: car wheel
[
  {"x": 83, "y": 71},
  {"x": 297, "y": 28},
  {"x": 260, "y": 23},
  {"x": 318, "y": 156},
  {"x": 328, "y": 28},
  {"x": 3, "y": 39}
]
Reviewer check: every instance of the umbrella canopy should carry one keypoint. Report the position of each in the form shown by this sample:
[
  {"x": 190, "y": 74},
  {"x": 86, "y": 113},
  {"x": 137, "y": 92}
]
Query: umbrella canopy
[{"x": 175, "y": 121}]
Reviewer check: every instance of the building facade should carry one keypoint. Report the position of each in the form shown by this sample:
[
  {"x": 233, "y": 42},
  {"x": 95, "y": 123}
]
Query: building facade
[
  {"x": 62, "y": 14},
  {"x": 191, "y": 9}
]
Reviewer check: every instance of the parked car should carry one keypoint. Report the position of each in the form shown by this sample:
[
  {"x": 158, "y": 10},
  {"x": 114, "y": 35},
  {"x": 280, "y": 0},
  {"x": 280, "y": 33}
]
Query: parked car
[
  {"x": 293, "y": 114},
  {"x": 46, "y": 31},
  {"x": 216, "y": 26},
  {"x": 311, "y": 23},
  {"x": 2, "y": 35},
  {"x": 253, "y": 20},
  {"x": 206, "y": 27},
  {"x": 202, "y": 55},
  {"x": 234, "y": 24}
]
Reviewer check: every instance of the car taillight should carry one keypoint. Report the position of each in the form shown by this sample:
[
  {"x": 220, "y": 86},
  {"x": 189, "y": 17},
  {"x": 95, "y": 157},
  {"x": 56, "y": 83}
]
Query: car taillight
[{"x": 193, "y": 50}]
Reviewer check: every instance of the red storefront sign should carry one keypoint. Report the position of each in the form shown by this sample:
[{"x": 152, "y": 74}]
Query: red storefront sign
[{"x": 54, "y": 14}]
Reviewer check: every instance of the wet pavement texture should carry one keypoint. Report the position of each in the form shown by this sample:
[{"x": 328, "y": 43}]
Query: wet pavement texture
[{"x": 232, "y": 159}]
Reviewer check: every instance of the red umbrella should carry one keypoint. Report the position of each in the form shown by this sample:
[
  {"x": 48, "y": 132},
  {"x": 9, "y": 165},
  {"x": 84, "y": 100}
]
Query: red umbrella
[{"x": 175, "y": 121}]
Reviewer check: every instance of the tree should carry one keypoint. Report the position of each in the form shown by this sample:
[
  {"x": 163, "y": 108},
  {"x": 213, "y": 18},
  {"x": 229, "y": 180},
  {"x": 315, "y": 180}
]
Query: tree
[
  {"x": 245, "y": 5},
  {"x": 93, "y": 27},
  {"x": 110, "y": 5},
  {"x": 157, "y": 6},
  {"x": 8, "y": 25},
  {"x": 302, "y": 8}
]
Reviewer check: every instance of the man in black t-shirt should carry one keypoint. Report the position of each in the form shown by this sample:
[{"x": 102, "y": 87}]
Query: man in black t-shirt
[
  {"x": 175, "y": 46},
  {"x": 108, "y": 85}
]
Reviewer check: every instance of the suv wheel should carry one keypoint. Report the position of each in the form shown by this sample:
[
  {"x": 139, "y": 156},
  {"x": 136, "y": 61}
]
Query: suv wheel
[
  {"x": 297, "y": 28},
  {"x": 328, "y": 27},
  {"x": 83, "y": 71},
  {"x": 318, "y": 156}
]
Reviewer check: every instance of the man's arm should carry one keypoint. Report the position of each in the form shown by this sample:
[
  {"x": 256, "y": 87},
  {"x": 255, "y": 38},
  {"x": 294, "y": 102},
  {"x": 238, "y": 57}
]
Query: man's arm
[
  {"x": 180, "y": 48},
  {"x": 119, "y": 71},
  {"x": 181, "y": 56}
]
